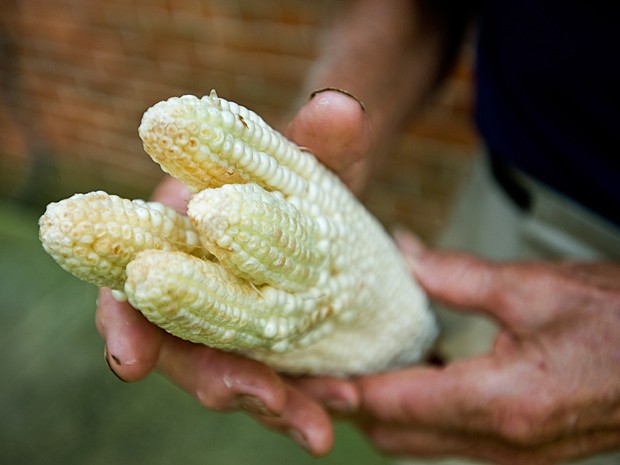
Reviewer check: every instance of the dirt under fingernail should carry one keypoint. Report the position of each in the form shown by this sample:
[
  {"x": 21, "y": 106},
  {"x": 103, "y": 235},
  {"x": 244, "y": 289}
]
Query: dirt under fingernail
[
  {"x": 254, "y": 405},
  {"x": 299, "y": 439},
  {"x": 106, "y": 357}
]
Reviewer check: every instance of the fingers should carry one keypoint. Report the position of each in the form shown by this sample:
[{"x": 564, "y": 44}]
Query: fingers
[
  {"x": 135, "y": 347},
  {"x": 517, "y": 397},
  {"x": 465, "y": 410},
  {"x": 218, "y": 380},
  {"x": 460, "y": 397},
  {"x": 132, "y": 343},
  {"x": 226, "y": 382},
  {"x": 221, "y": 381},
  {"x": 502, "y": 397},
  {"x": 304, "y": 421},
  {"x": 456, "y": 397}
]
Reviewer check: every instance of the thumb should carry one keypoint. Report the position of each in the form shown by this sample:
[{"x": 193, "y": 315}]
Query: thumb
[
  {"x": 334, "y": 127},
  {"x": 132, "y": 344}
]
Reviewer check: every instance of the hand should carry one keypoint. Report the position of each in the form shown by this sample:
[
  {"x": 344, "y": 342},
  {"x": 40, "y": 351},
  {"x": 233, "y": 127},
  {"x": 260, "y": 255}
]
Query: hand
[
  {"x": 548, "y": 391},
  {"x": 219, "y": 380}
]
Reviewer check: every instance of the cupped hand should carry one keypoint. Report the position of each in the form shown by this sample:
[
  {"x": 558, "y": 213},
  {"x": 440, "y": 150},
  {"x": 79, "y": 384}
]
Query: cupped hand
[
  {"x": 548, "y": 391},
  {"x": 330, "y": 124}
]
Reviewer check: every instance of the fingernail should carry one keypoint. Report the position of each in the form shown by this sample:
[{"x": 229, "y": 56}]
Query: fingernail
[
  {"x": 299, "y": 438},
  {"x": 340, "y": 91},
  {"x": 253, "y": 404},
  {"x": 107, "y": 357}
]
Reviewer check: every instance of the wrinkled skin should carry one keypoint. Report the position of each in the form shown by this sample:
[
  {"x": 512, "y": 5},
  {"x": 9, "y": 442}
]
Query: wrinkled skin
[{"x": 548, "y": 391}]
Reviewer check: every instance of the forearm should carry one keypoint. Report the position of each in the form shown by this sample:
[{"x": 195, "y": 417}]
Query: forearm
[{"x": 390, "y": 54}]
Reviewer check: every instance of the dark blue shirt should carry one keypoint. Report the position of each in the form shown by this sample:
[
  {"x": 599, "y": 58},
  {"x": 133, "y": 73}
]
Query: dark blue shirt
[{"x": 548, "y": 94}]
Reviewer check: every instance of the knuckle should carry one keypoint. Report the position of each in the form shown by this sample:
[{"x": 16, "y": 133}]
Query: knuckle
[
  {"x": 205, "y": 399},
  {"x": 208, "y": 397}
]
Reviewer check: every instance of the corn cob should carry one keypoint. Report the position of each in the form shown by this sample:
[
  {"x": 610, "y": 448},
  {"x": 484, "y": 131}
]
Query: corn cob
[{"x": 300, "y": 275}]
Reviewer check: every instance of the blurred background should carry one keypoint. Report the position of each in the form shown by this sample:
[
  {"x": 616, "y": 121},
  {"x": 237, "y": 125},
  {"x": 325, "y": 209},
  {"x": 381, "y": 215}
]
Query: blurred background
[{"x": 75, "y": 78}]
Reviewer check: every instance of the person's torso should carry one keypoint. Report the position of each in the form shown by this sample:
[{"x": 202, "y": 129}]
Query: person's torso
[{"x": 548, "y": 94}]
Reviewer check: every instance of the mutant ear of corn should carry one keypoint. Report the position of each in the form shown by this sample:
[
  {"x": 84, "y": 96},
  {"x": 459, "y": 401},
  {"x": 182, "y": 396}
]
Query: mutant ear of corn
[{"x": 299, "y": 275}]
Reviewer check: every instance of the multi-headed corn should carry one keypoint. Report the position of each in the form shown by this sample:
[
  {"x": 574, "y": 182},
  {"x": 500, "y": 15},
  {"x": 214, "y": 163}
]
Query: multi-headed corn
[{"x": 277, "y": 260}]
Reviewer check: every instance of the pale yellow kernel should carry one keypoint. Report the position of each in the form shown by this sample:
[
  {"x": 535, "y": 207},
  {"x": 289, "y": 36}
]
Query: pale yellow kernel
[
  {"x": 280, "y": 347},
  {"x": 253, "y": 164},
  {"x": 126, "y": 232},
  {"x": 283, "y": 328},
  {"x": 193, "y": 145},
  {"x": 271, "y": 329},
  {"x": 171, "y": 131},
  {"x": 182, "y": 138},
  {"x": 156, "y": 219},
  {"x": 165, "y": 142},
  {"x": 228, "y": 119},
  {"x": 174, "y": 151},
  {"x": 224, "y": 241}
]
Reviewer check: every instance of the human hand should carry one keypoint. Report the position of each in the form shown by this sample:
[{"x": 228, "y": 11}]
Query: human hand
[
  {"x": 219, "y": 380},
  {"x": 548, "y": 391}
]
